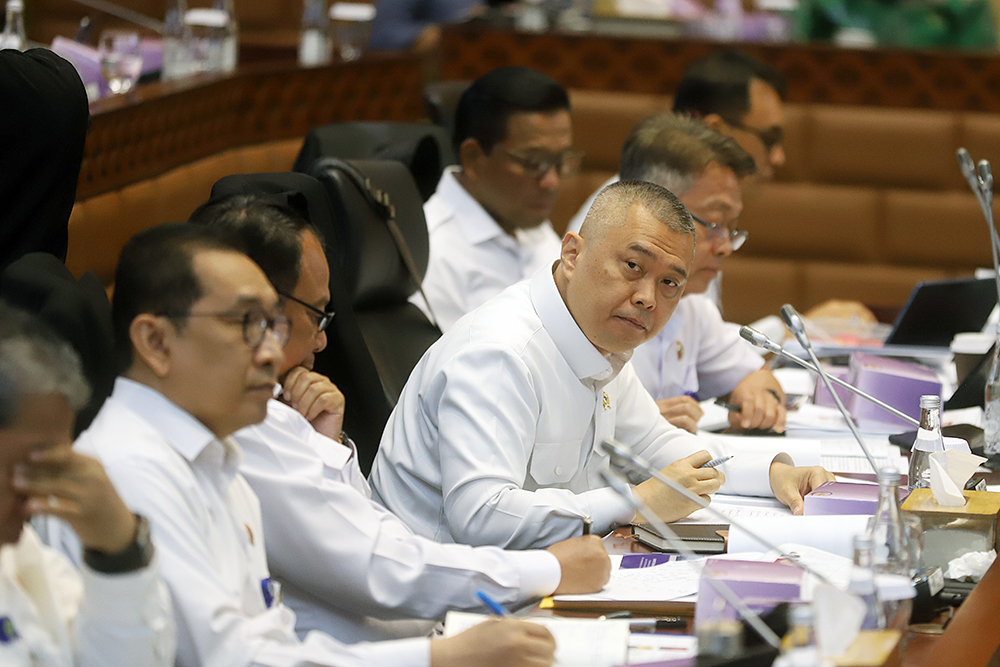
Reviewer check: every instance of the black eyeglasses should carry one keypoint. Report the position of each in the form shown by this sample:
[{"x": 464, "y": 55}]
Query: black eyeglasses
[
  {"x": 323, "y": 319},
  {"x": 255, "y": 324},
  {"x": 535, "y": 165},
  {"x": 772, "y": 137},
  {"x": 737, "y": 237}
]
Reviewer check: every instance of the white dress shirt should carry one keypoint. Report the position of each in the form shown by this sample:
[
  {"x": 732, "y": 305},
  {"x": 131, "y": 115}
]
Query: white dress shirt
[
  {"x": 696, "y": 354},
  {"x": 344, "y": 561},
  {"x": 206, "y": 526},
  {"x": 472, "y": 259},
  {"x": 494, "y": 438},
  {"x": 52, "y": 615}
]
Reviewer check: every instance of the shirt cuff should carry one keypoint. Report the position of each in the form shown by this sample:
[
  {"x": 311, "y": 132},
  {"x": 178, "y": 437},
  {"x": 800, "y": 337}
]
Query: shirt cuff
[
  {"x": 414, "y": 652},
  {"x": 120, "y": 598},
  {"x": 539, "y": 571},
  {"x": 607, "y": 510}
]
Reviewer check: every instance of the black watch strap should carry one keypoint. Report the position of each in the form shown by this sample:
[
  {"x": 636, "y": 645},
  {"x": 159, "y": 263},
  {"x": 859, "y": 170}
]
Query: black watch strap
[{"x": 134, "y": 557}]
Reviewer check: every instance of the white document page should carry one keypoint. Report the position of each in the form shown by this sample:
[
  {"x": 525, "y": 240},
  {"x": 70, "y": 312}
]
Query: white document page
[
  {"x": 844, "y": 455},
  {"x": 667, "y": 581},
  {"x": 649, "y": 647},
  {"x": 579, "y": 642},
  {"x": 740, "y": 507},
  {"x": 830, "y": 533}
]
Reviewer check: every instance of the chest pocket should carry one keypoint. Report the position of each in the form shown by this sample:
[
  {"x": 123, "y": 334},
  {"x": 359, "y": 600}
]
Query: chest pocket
[{"x": 554, "y": 462}]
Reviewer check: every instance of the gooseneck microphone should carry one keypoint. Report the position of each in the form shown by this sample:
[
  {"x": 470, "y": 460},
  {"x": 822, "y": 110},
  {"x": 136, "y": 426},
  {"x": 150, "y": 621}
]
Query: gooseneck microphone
[
  {"x": 614, "y": 479},
  {"x": 758, "y": 339},
  {"x": 794, "y": 323},
  {"x": 981, "y": 183},
  {"x": 622, "y": 458}
]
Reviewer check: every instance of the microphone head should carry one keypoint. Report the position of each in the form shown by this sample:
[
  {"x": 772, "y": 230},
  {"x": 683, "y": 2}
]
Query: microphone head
[
  {"x": 757, "y": 339},
  {"x": 966, "y": 164},
  {"x": 986, "y": 179},
  {"x": 793, "y": 321}
]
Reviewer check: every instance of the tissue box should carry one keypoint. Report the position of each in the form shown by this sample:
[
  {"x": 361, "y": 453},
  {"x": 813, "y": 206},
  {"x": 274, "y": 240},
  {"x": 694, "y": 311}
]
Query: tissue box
[
  {"x": 950, "y": 532},
  {"x": 843, "y": 498},
  {"x": 761, "y": 586},
  {"x": 891, "y": 380}
]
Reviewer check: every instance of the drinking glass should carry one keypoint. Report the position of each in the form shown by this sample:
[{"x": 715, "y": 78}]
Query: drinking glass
[{"x": 121, "y": 59}]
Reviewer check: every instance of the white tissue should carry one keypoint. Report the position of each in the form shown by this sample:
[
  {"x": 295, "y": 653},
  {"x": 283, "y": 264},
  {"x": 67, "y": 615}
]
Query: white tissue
[
  {"x": 958, "y": 444},
  {"x": 972, "y": 565},
  {"x": 950, "y": 470},
  {"x": 839, "y": 616}
]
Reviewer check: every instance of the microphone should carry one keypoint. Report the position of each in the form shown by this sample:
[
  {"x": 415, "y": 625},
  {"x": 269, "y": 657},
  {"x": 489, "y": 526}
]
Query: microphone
[
  {"x": 614, "y": 479},
  {"x": 758, "y": 339},
  {"x": 794, "y": 323},
  {"x": 981, "y": 183},
  {"x": 622, "y": 458},
  {"x": 124, "y": 13}
]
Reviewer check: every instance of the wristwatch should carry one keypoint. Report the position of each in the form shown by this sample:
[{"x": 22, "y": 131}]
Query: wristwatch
[{"x": 133, "y": 557}]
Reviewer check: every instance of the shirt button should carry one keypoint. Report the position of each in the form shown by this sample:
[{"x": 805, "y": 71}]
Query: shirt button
[{"x": 559, "y": 470}]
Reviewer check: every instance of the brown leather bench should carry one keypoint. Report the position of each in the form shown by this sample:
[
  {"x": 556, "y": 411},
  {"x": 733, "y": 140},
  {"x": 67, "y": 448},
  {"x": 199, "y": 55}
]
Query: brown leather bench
[{"x": 869, "y": 202}]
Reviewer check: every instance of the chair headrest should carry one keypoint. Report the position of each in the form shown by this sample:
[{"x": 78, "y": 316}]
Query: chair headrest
[
  {"x": 424, "y": 148},
  {"x": 373, "y": 268}
]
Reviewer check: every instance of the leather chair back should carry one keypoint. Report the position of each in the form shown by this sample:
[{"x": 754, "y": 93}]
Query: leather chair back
[
  {"x": 424, "y": 148},
  {"x": 376, "y": 275},
  {"x": 78, "y": 310},
  {"x": 345, "y": 360}
]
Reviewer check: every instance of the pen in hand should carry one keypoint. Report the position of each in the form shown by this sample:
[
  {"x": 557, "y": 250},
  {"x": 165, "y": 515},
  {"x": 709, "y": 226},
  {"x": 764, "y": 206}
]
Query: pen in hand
[
  {"x": 715, "y": 462},
  {"x": 492, "y": 604},
  {"x": 728, "y": 406}
]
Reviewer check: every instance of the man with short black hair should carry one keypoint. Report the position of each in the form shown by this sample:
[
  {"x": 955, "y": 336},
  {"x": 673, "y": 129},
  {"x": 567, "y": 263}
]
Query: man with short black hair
[
  {"x": 114, "y": 611},
  {"x": 204, "y": 334},
  {"x": 488, "y": 220},
  {"x": 496, "y": 436},
  {"x": 741, "y": 97}
]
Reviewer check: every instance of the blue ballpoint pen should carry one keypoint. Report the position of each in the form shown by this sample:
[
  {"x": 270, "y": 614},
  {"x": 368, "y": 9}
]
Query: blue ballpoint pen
[
  {"x": 493, "y": 605},
  {"x": 715, "y": 462}
]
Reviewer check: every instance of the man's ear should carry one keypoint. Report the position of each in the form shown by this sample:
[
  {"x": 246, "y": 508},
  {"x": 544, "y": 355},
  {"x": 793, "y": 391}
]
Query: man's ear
[
  {"x": 151, "y": 336},
  {"x": 572, "y": 247},
  {"x": 470, "y": 156},
  {"x": 714, "y": 121}
]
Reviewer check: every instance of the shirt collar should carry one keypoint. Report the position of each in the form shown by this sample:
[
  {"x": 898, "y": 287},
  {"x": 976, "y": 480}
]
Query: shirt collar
[
  {"x": 581, "y": 355},
  {"x": 476, "y": 223},
  {"x": 188, "y": 436}
]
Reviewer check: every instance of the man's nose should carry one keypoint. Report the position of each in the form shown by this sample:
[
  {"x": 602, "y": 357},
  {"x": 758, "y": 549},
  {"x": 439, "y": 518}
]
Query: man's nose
[
  {"x": 550, "y": 180},
  {"x": 319, "y": 343},
  {"x": 644, "y": 295},
  {"x": 777, "y": 156},
  {"x": 270, "y": 351}
]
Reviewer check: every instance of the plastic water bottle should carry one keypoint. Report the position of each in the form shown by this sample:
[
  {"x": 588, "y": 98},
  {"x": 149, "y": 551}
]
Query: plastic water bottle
[
  {"x": 13, "y": 36},
  {"x": 889, "y": 537},
  {"x": 862, "y": 582},
  {"x": 927, "y": 442},
  {"x": 231, "y": 42},
  {"x": 992, "y": 445},
  {"x": 176, "y": 42},
  {"x": 315, "y": 46}
]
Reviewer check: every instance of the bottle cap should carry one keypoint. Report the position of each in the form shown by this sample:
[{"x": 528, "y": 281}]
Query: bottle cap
[
  {"x": 800, "y": 614},
  {"x": 930, "y": 401},
  {"x": 15, "y": 5},
  {"x": 888, "y": 476}
]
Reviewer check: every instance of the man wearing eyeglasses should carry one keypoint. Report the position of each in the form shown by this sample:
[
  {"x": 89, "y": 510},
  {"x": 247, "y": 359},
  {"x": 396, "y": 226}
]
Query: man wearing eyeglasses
[
  {"x": 697, "y": 355},
  {"x": 347, "y": 566},
  {"x": 488, "y": 219},
  {"x": 199, "y": 331}
]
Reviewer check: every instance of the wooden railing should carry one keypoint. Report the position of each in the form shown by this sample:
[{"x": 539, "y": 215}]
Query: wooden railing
[{"x": 161, "y": 126}]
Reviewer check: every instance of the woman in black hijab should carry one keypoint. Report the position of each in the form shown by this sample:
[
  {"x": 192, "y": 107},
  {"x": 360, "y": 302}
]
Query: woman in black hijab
[{"x": 43, "y": 125}]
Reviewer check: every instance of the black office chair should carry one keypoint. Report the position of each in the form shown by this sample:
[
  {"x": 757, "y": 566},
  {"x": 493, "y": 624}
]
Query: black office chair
[
  {"x": 382, "y": 266},
  {"x": 78, "y": 310},
  {"x": 424, "y": 148},
  {"x": 440, "y": 101},
  {"x": 345, "y": 360}
]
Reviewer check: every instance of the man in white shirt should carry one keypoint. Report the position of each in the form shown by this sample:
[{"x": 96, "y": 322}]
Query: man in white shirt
[
  {"x": 114, "y": 611},
  {"x": 697, "y": 355},
  {"x": 199, "y": 333},
  {"x": 488, "y": 220},
  {"x": 348, "y": 566},
  {"x": 495, "y": 439}
]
